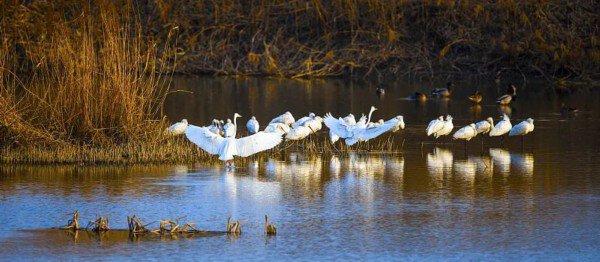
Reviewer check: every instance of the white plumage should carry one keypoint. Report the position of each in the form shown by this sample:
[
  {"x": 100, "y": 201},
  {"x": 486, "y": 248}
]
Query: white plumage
[
  {"x": 252, "y": 125},
  {"x": 298, "y": 133},
  {"x": 435, "y": 125},
  {"x": 502, "y": 127},
  {"x": 285, "y": 118},
  {"x": 215, "y": 127},
  {"x": 301, "y": 121},
  {"x": 522, "y": 128},
  {"x": 279, "y": 128},
  {"x": 466, "y": 133},
  {"x": 228, "y": 147},
  {"x": 178, "y": 128},
  {"x": 446, "y": 129},
  {"x": 358, "y": 132},
  {"x": 484, "y": 126}
]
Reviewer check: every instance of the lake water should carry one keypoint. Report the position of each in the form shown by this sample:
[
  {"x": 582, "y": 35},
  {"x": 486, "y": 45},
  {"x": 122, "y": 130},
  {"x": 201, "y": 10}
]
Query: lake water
[{"x": 499, "y": 201}]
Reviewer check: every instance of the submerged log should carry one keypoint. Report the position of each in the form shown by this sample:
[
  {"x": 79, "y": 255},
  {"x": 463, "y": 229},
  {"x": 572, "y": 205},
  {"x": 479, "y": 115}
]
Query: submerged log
[
  {"x": 135, "y": 225},
  {"x": 233, "y": 228},
  {"x": 99, "y": 225},
  {"x": 73, "y": 223}
]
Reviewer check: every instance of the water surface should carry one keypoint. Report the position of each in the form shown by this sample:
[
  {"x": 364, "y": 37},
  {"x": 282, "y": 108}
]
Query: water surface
[{"x": 502, "y": 200}]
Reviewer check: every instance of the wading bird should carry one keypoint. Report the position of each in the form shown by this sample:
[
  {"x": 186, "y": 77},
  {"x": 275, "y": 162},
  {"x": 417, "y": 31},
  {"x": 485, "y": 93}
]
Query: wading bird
[
  {"x": 252, "y": 125},
  {"x": 285, "y": 118},
  {"x": 466, "y": 133},
  {"x": 484, "y": 126},
  {"x": 356, "y": 133},
  {"x": 501, "y": 127},
  {"x": 348, "y": 120},
  {"x": 511, "y": 93},
  {"x": 215, "y": 127},
  {"x": 522, "y": 129},
  {"x": 227, "y": 147},
  {"x": 446, "y": 129},
  {"x": 435, "y": 125},
  {"x": 178, "y": 128}
]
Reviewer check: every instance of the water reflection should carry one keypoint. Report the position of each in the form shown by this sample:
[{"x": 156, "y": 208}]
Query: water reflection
[
  {"x": 439, "y": 162},
  {"x": 501, "y": 160}
]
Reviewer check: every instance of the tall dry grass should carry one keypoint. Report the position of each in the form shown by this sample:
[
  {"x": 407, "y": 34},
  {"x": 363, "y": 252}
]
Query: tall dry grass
[{"x": 78, "y": 73}]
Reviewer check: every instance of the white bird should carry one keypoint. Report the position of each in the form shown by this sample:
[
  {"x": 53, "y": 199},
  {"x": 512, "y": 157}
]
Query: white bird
[
  {"x": 484, "y": 126},
  {"x": 375, "y": 124},
  {"x": 348, "y": 120},
  {"x": 298, "y": 133},
  {"x": 446, "y": 129},
  {"x": 501, "y": 127},
  {"x": 522, "y": 129},
  {"x": 279, "y": 128},
  {"x": 355, "y": 133},
  {"x": 252, "y": 125},
  {"x": 215, "y": 127},
  {"x": 466, "y": 133},
  {"x": 435, "y": 125},
  {"x": 228, "y": 147},
  {"x": 303, "y": 120},
  {"x": 399, "y": 125},
  {"x": 285, "y": 118},
  {"x": 230, "y": 129},
  {"x": 314, "y": 124},
  {"x": 178, "y": 128}
]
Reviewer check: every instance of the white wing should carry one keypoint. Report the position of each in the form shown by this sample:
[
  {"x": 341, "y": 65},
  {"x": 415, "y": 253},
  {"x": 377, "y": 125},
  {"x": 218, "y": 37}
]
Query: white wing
[
  {"x": 337, "y": 127},
  {"x": 370, "y": 133},
  {"x": 301, "y": 121},
  {"x": 258, "y": 142},
  {"x": 205, "y": 139}
]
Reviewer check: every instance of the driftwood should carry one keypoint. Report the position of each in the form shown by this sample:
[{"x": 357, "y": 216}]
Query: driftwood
[
  {"x": 98, "y": 225},
  {"x": 136, "y": 226},
  {"x": 270, "y": 228},
  {"x": 73, "y": 223},
  {"x": 233, "y": 228}
]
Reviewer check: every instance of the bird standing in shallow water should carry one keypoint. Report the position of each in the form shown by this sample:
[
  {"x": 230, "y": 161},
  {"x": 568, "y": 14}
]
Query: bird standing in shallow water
[
  {"x": 502, "y": 127},
  {"x": 522, "y": 129},
  {"x": 484, "y": 126}
]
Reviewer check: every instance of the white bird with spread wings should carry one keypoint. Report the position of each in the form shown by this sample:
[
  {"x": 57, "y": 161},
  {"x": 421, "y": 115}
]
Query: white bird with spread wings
[{"x": 227, "y": 147}]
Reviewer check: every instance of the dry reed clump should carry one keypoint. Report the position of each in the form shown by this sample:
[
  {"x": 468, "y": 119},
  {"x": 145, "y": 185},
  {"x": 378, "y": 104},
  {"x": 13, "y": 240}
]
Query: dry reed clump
[{"x": 76, "y": 74}]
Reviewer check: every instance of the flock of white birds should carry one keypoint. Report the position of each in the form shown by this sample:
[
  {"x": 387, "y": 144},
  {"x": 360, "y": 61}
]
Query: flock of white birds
[{"x": 219, "y": 138}]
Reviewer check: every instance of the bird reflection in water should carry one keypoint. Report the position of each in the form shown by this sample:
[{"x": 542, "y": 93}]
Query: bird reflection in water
[
  {"x": 439, "y": 163},
  {"x": 501, "y": 160},
  {"x": 523, "y": 163}
]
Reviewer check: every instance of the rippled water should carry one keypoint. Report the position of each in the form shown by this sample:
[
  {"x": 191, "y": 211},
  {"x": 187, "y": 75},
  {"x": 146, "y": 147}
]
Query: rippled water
[{"x": 499, "y": 200}]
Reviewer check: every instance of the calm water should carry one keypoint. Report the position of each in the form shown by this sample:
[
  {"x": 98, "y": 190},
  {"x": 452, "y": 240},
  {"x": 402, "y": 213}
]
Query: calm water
[{"x": 499, "y": 201}]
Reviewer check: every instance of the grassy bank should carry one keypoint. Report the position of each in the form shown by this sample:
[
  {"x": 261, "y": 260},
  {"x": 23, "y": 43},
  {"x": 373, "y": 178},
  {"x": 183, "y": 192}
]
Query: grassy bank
[{"x": 87, "y": 80}]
